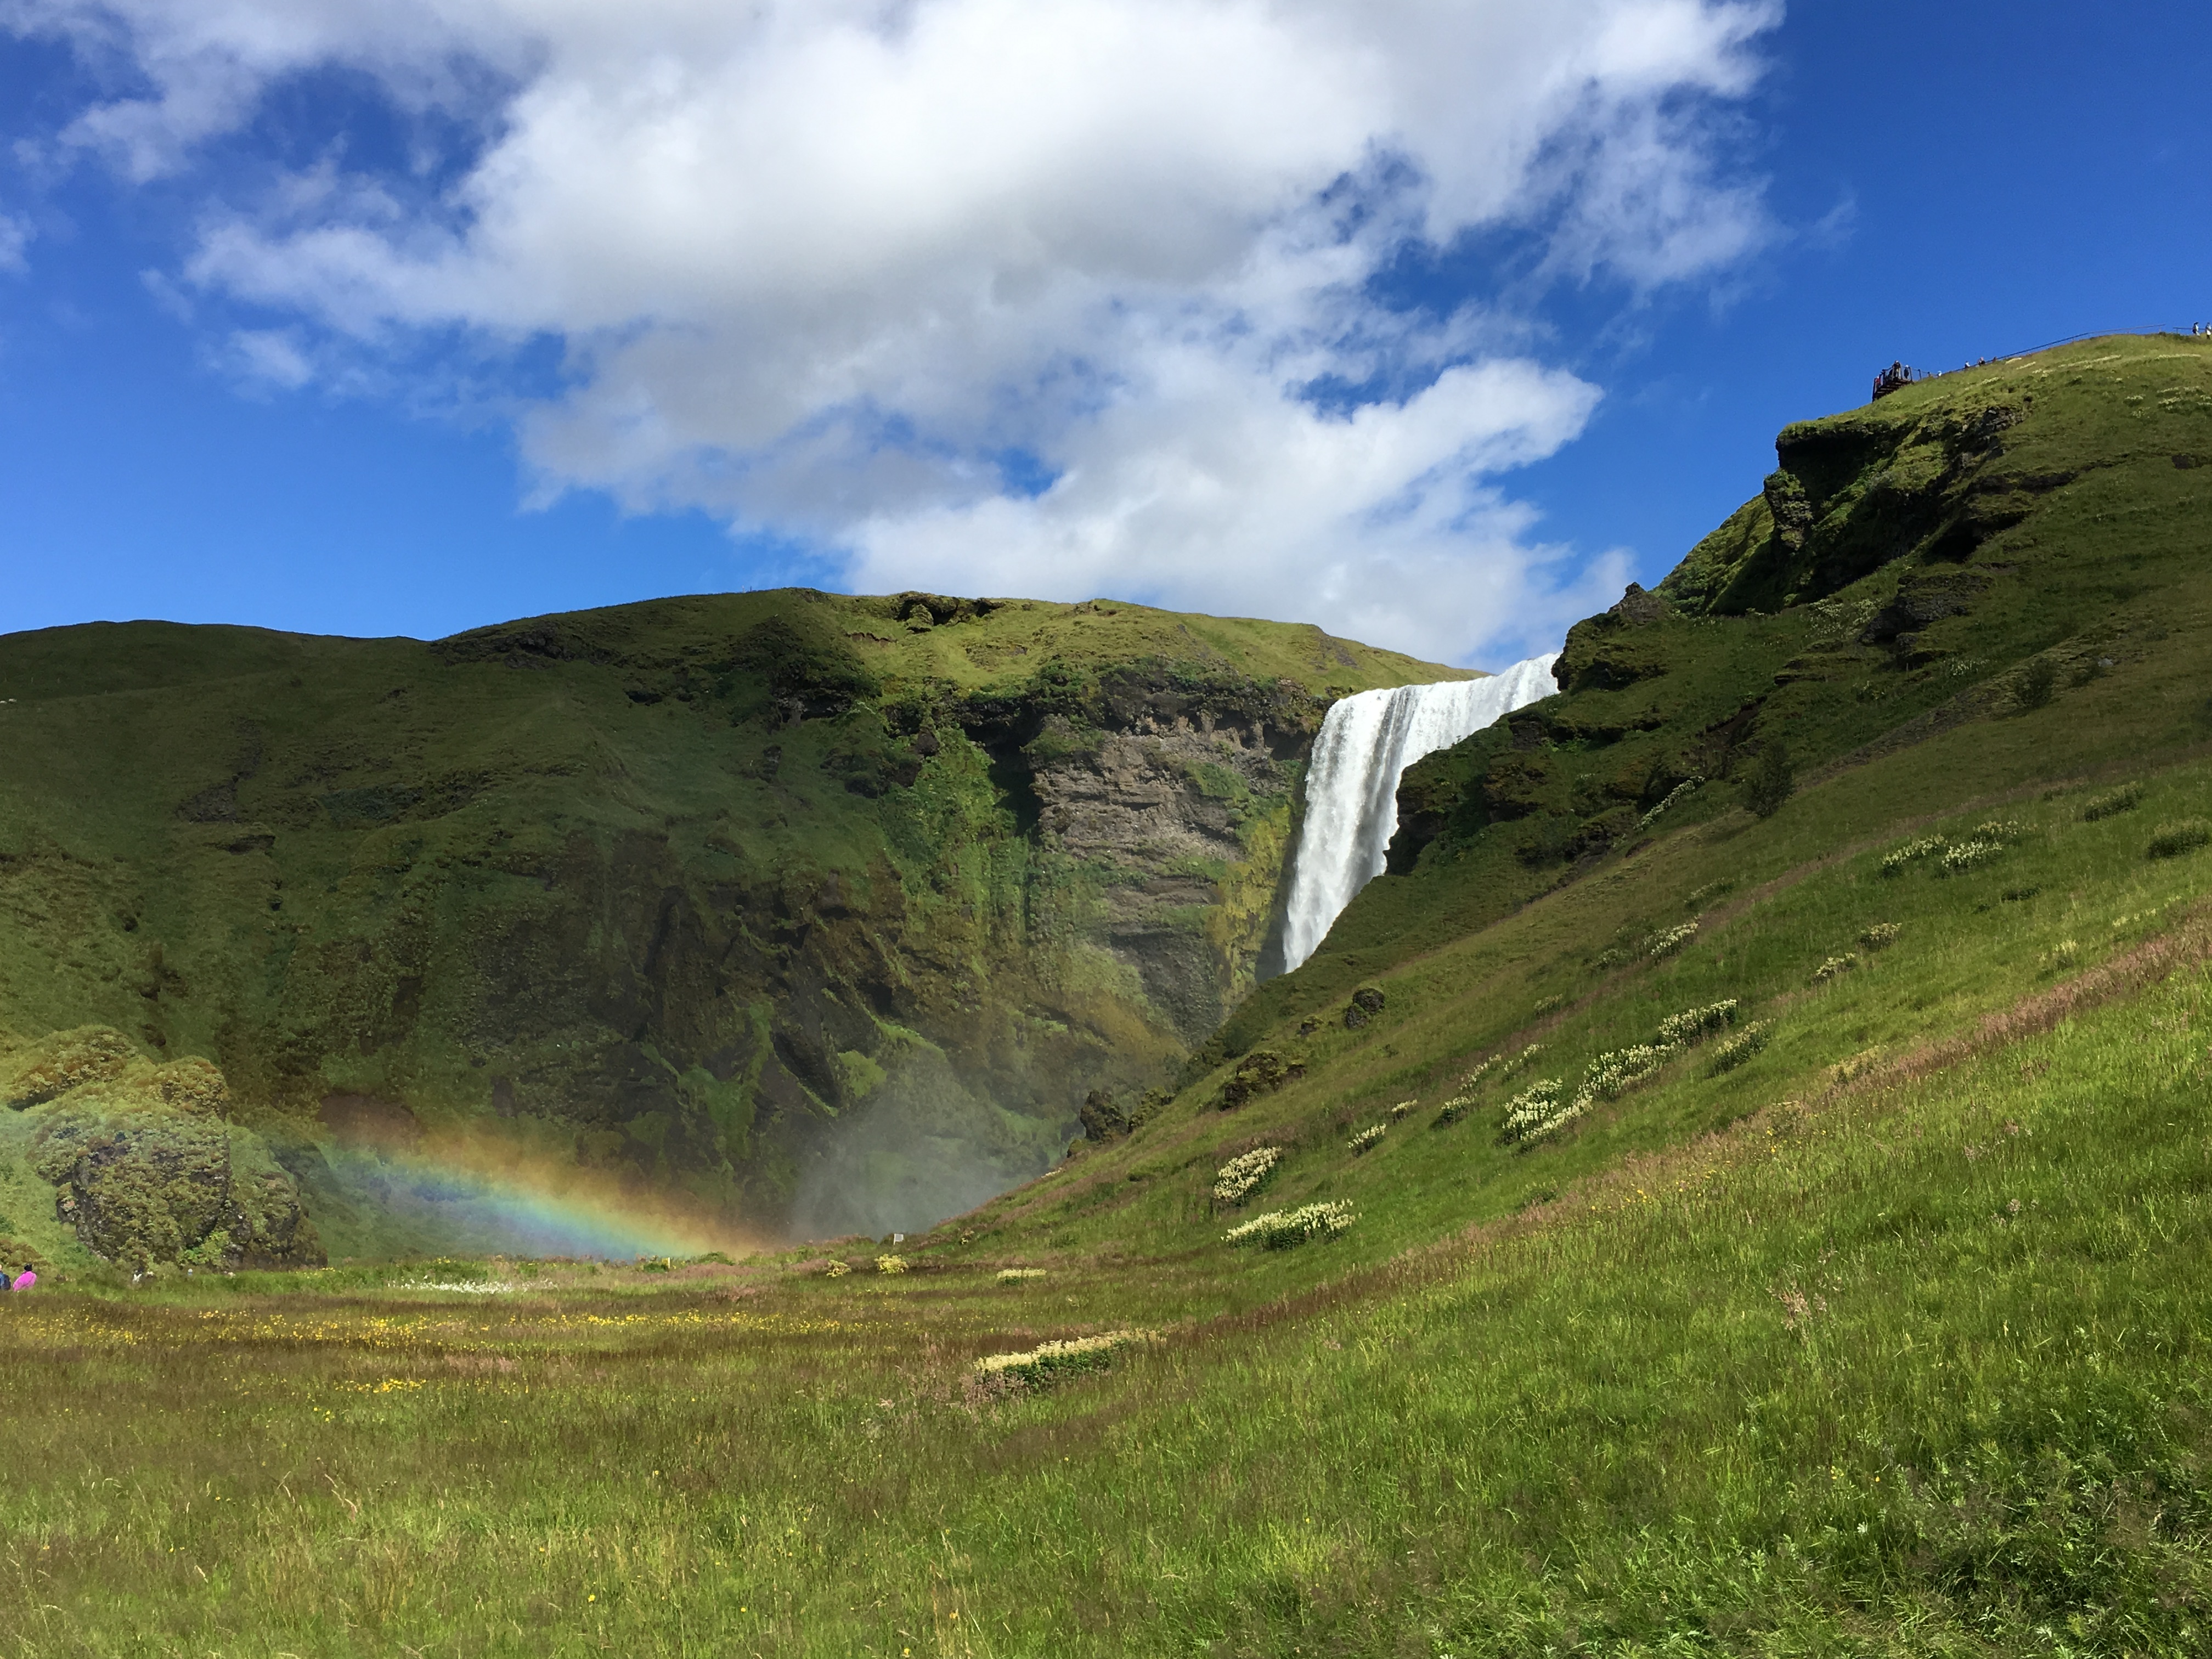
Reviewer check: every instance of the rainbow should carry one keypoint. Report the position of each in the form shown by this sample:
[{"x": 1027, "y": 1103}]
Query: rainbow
[{"x": 466, "y": 1195}]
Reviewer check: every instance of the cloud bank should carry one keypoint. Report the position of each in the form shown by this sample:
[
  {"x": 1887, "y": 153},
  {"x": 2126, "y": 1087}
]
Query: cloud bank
[{"x": 1050, "y": 297}]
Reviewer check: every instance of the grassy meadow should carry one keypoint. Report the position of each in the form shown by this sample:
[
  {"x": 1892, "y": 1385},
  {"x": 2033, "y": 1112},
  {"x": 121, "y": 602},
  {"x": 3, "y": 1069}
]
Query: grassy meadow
[{"x": 1889, "y": 1339}]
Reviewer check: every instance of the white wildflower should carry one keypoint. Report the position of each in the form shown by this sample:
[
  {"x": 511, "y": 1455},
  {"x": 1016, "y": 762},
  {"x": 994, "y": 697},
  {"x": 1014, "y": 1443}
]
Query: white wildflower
[
  {"x": 1279, "y": 1230},
  {"x": 1048, "y": 1362},
  {"x": 1911, "y": 853},
  {"x": 1970, "y": 855},
  {"x": 1673, "y": 795},
  {"x": 1741, "y": 1047},
  {"x": 1694, "y": 1025},
  {"x": 1238, "y": 1179}
]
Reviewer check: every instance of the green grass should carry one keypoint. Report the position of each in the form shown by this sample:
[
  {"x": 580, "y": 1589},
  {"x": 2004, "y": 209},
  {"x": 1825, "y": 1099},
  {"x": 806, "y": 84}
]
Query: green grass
[{"x": 1808, "y": 1384}]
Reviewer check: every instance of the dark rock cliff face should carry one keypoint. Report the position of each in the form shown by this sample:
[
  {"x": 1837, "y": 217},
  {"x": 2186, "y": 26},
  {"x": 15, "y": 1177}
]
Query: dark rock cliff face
[
  {"x": 819, "y": 913},
  {"x": 1185, "y": 820}
]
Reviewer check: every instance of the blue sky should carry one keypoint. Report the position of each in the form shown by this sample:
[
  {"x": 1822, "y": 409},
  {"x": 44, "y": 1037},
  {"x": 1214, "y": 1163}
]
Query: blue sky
[{"x": 235, "y": 386}]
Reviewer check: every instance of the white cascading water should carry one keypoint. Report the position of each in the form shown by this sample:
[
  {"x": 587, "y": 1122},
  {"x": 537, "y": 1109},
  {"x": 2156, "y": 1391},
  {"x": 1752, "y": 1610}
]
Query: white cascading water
[{"x": 1366, "y": 743}]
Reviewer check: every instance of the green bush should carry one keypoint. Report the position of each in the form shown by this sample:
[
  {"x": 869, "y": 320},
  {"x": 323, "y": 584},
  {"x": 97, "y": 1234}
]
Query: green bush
[
  {"x": 1772, "y": 781},
  {"x": 2172, "y": 840},
  {"x": 2036, "y": 684},
  {"x": 1739, "y": 1047},
  {"x": 2126, "y": 799}
]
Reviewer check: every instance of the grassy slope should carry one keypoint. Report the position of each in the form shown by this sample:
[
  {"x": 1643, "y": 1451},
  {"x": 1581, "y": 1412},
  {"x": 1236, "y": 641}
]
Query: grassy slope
[
  {"x": 2090, "y": 535},
  {"x": 586, "y": 875},
  {"x": 1762, "y": 1363}
]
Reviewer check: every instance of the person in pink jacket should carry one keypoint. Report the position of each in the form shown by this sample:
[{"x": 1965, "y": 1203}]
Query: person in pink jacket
[{"x": 25, "y": 1280}]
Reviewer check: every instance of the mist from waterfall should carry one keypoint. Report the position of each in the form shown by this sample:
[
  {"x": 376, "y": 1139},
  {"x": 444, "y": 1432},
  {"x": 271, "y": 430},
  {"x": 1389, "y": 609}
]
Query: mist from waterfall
[{"x": 1366, "y": 741}]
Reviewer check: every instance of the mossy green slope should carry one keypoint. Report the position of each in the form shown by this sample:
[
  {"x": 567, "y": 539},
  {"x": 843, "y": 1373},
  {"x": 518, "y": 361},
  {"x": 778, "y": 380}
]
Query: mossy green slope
[
  {"x": 688, "y": 890},
  {"x": 1889, "y": 1338}
]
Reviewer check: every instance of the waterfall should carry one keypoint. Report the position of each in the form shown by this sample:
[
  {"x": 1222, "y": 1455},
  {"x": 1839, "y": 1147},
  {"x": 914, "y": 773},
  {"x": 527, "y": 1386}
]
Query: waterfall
[{"x": 1366, "y": 741}]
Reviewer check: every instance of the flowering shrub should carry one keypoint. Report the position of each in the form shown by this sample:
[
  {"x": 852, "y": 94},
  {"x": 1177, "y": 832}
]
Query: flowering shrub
[
  {"x": 1879, "y": 935},
  {"x": 1238, "y": 1179},
  {"x": 1519, "y": 1063},
  {"x": 1365, "y": 1138},
  {"x": 1673, "y": 795},
  {"x": 1969, "y": 855},
  {"x": 836, "y": 1269},
  {"x": 2126, "y": 799},
  {"x": 1834, "y": 966},
  {"x": 1463, "y": 1100},
  {"x": 1668, "y": 942},
  {"x": 1612, "y": 1075},
  {"x": 1911, "y": 853},
  {"x": 1739, "y": 1047},
  {"x": 1053, "y": 1362},
  {"x": 890, "y": 1264},
  {"x": 1401, "y": 1108},
  {"x": 1536, "y": 1112},
  {"x": 1694, "y": 1025},
  {"x": 1020, "y": 1275},
  {"x": 1279, "y": 1230},
  {"x": 2173, "y": 840},
  {"x": 2063, "y": 955}
]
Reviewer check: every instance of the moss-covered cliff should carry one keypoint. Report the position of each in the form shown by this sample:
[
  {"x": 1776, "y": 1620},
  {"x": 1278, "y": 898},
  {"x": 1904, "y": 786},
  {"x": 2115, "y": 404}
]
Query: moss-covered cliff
[{"x": 828, "y": 912}]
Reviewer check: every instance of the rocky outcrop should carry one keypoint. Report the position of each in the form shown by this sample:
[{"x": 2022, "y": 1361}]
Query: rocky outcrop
[
  {"x": 64, "y": 1061},
  {"x": 1177, "y": 822},
  {"x": 146, "y": 1169}
]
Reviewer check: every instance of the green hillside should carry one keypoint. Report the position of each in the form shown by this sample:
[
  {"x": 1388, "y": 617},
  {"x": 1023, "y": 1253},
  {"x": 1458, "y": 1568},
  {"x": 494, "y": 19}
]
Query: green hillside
[
  {"x": 1690, "y": 1229},
  {"x": 1589, "y": 867},
  {"x": 812, "y": 910}
]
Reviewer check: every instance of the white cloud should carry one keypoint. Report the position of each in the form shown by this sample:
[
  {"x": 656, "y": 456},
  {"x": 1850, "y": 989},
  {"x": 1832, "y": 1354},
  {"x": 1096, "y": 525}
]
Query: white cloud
[
  {"x": 16, "y": 234},
  {"x": 267, "y": 357},
  {"x": 865, "y": 271}
]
